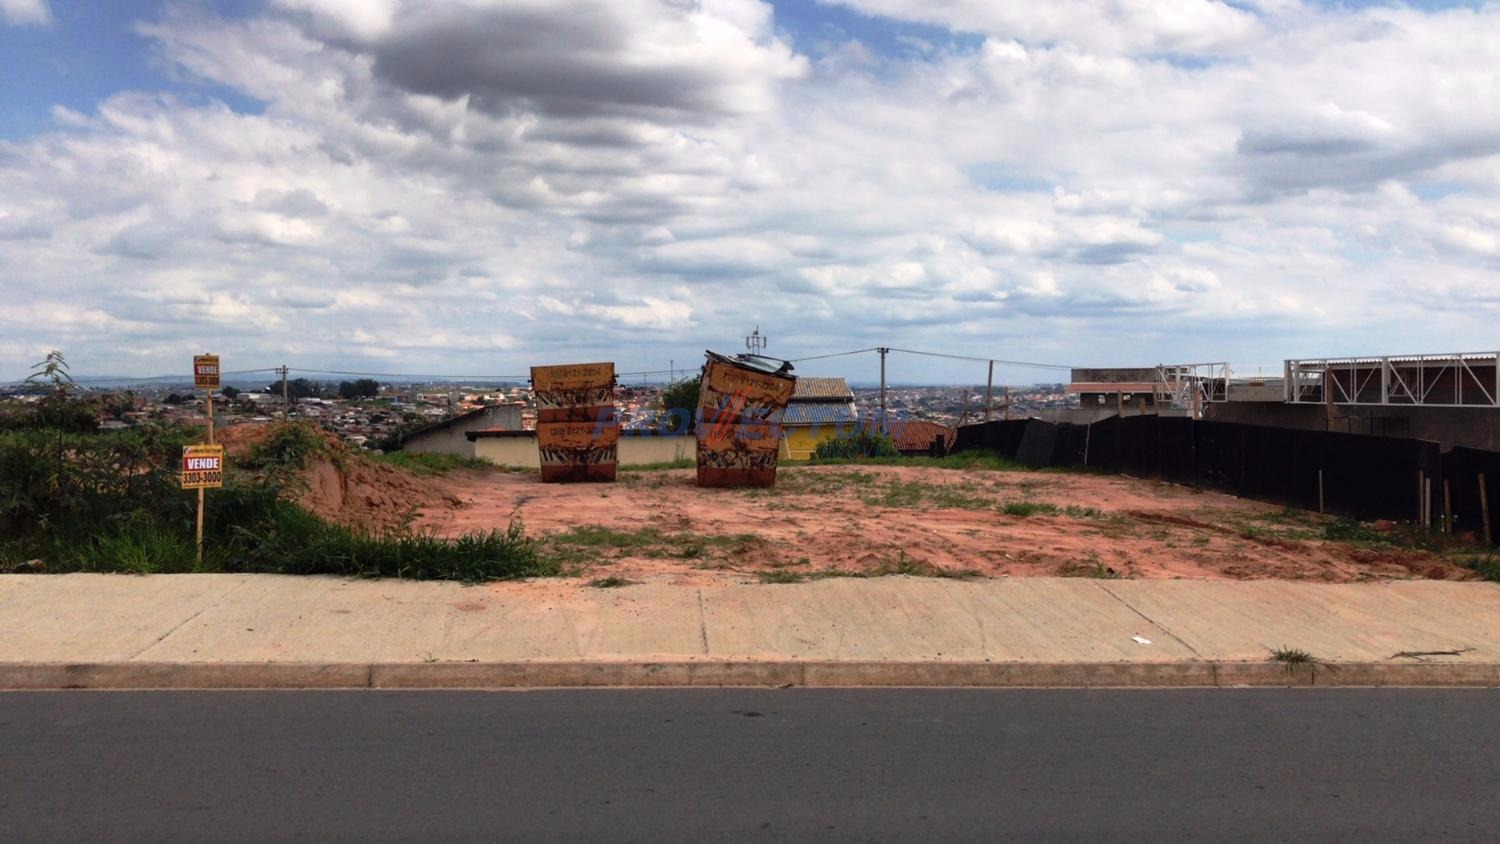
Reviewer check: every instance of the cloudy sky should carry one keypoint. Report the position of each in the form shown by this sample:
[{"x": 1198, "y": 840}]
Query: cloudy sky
[{"x": 480, "y": 185}]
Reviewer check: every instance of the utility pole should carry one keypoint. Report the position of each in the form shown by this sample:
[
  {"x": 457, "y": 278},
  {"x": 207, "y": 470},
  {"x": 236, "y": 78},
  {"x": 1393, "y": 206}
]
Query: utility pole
[
  {"x": 883, "y": 350},
  {"x": 286, "y": 407},
  {"x": 989, "y": 389}
]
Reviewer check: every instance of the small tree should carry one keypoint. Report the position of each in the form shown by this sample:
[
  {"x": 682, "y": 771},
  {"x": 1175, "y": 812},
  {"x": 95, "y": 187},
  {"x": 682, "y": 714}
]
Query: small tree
[
  {"x": 297, "y": 388},
  {"x": 60, "y": 408},
  {"x": 679, "y": 404},
  {"x": 364, "y": 388},
  {"x": 230, "y": 393}
]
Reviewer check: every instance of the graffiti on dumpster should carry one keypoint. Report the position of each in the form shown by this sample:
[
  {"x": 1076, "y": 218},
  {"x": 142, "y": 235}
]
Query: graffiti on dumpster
[
  {"x": 740, "y": 406},
  {"x": 577, "y": 430}
]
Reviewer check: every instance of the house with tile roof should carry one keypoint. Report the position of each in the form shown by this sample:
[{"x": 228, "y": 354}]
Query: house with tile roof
[
  {"x": 917, "y": 437},
  {"x": 820, "y": 409}
]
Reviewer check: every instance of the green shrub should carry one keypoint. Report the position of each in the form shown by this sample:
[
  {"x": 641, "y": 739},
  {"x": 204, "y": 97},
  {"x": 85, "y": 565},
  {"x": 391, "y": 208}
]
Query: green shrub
[
  {"x": 51, "y": 479},
  {"x": 112, "y": 502},
  {"x": 1029, "y": 508},
  {"x": 1487, "y": 565},
  {"x": 289, "y": 446},
  {"x": 863, "y": 444},
  {"x": 1349, "y": 530}
]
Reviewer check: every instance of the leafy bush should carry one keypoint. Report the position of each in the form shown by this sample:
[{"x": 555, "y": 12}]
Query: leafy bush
[
  {"x": 112, "y": 502},
  {"x": 289, "y": 446},
  {"x": 860, "y": 444},
  {"x": 50, "y": 479},
  {"x": 680, "y": 402}
]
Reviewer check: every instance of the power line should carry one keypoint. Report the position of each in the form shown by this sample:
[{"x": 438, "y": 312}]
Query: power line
[
  {"x": 524, "y": 378},
  {"x": 140, "y": 379},
  {"x": 835, "y": 355},
  {"x": 984, "y": 360},
  {"x": 411, "y": 375}
]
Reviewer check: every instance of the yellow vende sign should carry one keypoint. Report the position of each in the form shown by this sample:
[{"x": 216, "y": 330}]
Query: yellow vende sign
[
  {"x": 206, "y": 372},
  {"x": 202, "y": 466}
]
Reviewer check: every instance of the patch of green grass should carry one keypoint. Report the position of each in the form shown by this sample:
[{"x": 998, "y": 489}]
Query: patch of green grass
[
  {"x": 433, "y": 464},
  {"x": 1487, "y": 565},
  {"x": 684, "y": 463},
  {"x": 293, "y": 541},
  {"x": 963, "y": 460},
  {"x": 1291, "y": 656},
  {"x": 901, "y": 565},
  {"x": 596, "y": 536},
  {"x": 591, "y": 543},
  {"x": 1078, "y": 512},
  {"x": 1024, "y": 509},
  {"x": 876, "y": 490},
  {"x": 1349, "y": 530},
  {"x": 611, "y": 582},
  {"x": 804, "y": 482},
  {"x": 138, "y": 547},
  {"x": 781, "y": 576}
]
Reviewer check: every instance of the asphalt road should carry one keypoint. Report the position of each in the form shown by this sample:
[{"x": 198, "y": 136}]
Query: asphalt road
[{"x": 796, "y": 764}]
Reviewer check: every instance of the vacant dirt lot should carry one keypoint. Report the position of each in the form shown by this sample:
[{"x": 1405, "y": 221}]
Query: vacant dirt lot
[{"x": 857, "y": 520}]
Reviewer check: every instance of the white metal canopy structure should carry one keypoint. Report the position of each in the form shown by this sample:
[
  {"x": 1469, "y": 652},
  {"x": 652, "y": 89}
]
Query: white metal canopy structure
[
  {"x": 1192, "y": 385},
  {"x": 1460, "y": 379}
]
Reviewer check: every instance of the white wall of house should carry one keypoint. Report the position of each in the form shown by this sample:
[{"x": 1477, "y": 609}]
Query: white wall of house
[
  {"x": 450, "y": 439},
  {"x": 521, "y": 452}
]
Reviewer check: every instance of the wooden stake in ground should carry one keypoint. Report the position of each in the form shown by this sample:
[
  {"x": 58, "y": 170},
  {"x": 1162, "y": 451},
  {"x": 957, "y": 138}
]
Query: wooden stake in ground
[
  {"x": 1484, "y": 510},
  {"x": 1421, "y": 511},
  {"x": 210, "y": 401},
  {"x": 1447, "y": 509},
  {"x": 206, "y": 375},
  {"x": 1427, "y": 503}
]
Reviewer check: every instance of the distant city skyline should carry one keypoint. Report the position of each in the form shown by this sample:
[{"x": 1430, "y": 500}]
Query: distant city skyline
[{"x": 476, "y": 187}]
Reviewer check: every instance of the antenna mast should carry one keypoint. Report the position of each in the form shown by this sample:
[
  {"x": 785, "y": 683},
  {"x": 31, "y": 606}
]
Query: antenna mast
[{"x": 755, "y": 341}]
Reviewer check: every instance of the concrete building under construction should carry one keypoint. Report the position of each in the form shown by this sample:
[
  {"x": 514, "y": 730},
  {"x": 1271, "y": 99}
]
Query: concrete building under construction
[{"x": 1452, "y": 399}]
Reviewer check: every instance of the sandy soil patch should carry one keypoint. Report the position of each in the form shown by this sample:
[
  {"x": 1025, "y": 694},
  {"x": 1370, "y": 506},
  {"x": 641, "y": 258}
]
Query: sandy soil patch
[
  {"x": 348, "y": 487},
  {"x": 856, "y": 520}
]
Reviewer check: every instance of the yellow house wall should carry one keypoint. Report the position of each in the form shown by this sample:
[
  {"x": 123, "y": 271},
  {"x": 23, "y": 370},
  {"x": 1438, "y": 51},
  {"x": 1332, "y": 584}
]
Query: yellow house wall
[{"x": 798, "y": 441}]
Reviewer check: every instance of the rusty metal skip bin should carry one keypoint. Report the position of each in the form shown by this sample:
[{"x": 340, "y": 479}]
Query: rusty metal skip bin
[
  {"x": 577, "y": 427},
  {"x": 740, "y": 406}
]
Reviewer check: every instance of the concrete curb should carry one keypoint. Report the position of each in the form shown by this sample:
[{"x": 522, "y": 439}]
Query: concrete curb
[{"x": 18, "y": 676}]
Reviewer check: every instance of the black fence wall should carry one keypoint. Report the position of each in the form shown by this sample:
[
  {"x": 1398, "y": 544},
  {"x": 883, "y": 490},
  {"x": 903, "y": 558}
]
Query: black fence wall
[{"x": 1356, "y": 475}]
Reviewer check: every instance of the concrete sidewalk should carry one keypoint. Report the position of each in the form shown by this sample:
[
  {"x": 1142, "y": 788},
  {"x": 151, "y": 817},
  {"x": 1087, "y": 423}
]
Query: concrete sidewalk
[{"x": 221, "y": 631}]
